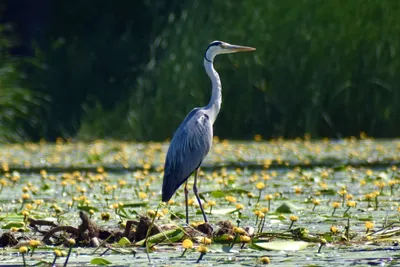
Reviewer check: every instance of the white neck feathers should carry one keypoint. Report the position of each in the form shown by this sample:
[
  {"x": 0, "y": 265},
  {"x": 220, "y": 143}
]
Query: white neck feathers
[{"x": 214, "y": 105}]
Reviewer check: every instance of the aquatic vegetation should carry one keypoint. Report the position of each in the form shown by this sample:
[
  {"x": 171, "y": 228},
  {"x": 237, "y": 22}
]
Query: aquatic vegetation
[{"x": 103, "y": 199}]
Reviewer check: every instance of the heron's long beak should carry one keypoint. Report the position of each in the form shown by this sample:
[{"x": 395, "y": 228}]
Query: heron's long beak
[{"x": 239, "y": 48}]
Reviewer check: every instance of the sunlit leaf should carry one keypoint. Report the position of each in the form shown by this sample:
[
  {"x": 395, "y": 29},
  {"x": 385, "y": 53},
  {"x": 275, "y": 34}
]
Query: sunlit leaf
[
  {"x": 122, "y": 212},
  {"x": 135, "y": 205},
  {"x": 170, "y": 235},
  {"x": 13, "y": 224},
  {"x": 87, "y": 208},
  {"x": 225, "y": 238},
  {"x": 124, "y": 241},
  {"x": 223, "y": 248},
  {"x": 328, "y": 192},
  {"x": 224, "y": 193},
  {"x": 287, "y": 207},
  {"x": 223, "y": 211},
  {"x": 100, "y": 261},
  {"x": 45, "y": 187},
  {"x": 282, "y": 245}
]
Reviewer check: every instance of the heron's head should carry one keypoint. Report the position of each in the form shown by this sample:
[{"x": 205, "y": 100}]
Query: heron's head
[{"x": 219, "y": 47}]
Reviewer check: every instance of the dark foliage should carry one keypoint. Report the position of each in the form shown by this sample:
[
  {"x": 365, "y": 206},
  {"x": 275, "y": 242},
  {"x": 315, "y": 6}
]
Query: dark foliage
[{"x": 133, "y": 69}]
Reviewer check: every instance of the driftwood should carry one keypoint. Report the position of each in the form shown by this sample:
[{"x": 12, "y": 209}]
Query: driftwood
[
  {"x": 87, "y": 230},
  {"x": 36, "y": 224}
]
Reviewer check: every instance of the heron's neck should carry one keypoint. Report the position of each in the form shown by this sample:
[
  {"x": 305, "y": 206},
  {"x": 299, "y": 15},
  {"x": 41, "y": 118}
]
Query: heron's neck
[{"x": 214, "y": 105}]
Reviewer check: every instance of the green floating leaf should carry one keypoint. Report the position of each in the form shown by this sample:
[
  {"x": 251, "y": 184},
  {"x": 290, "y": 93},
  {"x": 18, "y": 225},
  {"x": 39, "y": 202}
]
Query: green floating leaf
[
  {"x": 121, "y": 212},
  {"x": 124, "y": 241},
  {"x": 392, "y": 239},
  {"x": 88, "y": 208},
  {"x": 286, "y": 207},
  {"x": 222, "y": 211},
  {"x": 282, "y": 245},
  {"x": 135, "y": 205},
  {"x": 328, "y": 237},
  {"x": 178, "y": 215},
  {"x": 171, "y": 235},
  {"x": 339, "y": 168},
  {"x": 100, "y": 261},
  {"x": 12, "y": 217},
  {"x": 224, "y": 239},
  {"x": 133, "y": 212},
  {"x": 224, "y": 193},
  {"x": 223, "y": 249},
  {"x": 13, "y": 224},
  {"x": 328, "y": 192},
  {"x": 45, "y": 187}
]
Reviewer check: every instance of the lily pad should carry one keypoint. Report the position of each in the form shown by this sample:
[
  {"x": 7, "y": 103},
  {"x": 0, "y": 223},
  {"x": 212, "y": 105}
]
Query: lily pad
[
  {"x": 282, "y": 245},
  {"x": 88, "y": 208},
  {"x": 224, "y": 193},
  {"x": 287, "y": 207},
  {"x": 100, "y": 261},
  {"x": 135, "y": 205},
  {"x": 124, "y": 241},
  {"x": 13, "y": 224},
  {"x": 223, "y": 211},
  {"x": 171, "y": 235}
]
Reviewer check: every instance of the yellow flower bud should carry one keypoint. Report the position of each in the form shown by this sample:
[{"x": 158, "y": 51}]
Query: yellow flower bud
[
  {"x": 351, "y": 203},
  {"x": 202, "y": 249},
  {"x": 206, "y": 241},
  {"x": 245, "y": 239},
  {"x": 25, "y": 213},
  {"x": 231, "y": 199},
  {"x": 334, "y": 229},
  {"x": 57, "y": 253},
  {"x": 23, "y": 250},
  {"x": 142, "y": 195},
  {"x": 369, "y": 225},
  {"x": 265, "y": 260},
  {"x": 260, "y": 185},
  {"x": 297, "y": 190},
  {"x": 151, "y": 213},
  {"x": 239, "y": 206},
  {"x": 239, "y": 230},
  {"x": 265, "y": 210},
  {"x": 187, "y": 244},
  {"x": 316, "y": 202},
  {"x": 211, "y": 203},
  {"x": 269, "y": 197},
  {"x": 34, "y": 243}
]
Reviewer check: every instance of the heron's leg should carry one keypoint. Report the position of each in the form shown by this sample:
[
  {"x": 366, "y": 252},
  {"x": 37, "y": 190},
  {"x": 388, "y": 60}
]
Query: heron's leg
[
  {"x": 197, "y": 195},
  {"x": 186, "y": 202}
]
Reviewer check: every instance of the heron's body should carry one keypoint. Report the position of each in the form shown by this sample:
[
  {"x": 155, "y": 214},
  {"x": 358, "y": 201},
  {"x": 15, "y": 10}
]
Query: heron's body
[
  {"x": 186, "y": 145},
  {"x": 193, "y": 139}
]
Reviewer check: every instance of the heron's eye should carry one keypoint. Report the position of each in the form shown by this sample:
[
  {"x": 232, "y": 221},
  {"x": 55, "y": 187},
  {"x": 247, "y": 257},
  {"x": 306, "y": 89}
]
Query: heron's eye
[{"x": 222, "y": 45}]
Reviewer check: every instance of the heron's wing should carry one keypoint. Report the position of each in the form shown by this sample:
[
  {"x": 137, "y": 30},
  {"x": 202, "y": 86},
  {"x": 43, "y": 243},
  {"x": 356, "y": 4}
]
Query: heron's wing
[{"x": 188, "y": 148}]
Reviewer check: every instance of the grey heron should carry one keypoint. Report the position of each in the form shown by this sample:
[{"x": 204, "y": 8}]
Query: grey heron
[{"x": 193, "y": 139}]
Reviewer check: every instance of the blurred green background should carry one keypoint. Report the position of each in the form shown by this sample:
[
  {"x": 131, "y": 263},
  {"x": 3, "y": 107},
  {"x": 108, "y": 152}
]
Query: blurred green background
[{"x": 133, "y": 69}]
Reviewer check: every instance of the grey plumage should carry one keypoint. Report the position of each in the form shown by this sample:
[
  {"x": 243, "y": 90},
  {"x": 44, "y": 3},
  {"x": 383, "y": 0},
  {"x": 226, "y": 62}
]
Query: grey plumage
[
  {"x": 192, "y": 141},
  {"x": 189, "y": 146}
]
